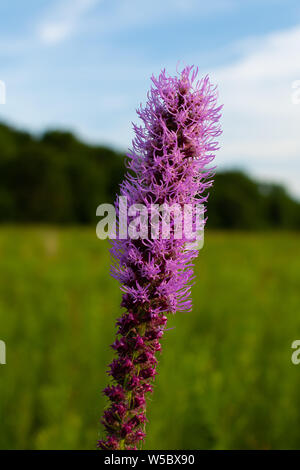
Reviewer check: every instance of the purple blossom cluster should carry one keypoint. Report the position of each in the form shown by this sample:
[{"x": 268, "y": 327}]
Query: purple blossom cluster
[{"x": 168, "y": 163}]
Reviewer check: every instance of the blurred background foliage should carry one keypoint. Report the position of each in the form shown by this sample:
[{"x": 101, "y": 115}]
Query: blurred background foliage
[
  {"x": 225, "y": 377},
  {"x": 56, "y": 178}
]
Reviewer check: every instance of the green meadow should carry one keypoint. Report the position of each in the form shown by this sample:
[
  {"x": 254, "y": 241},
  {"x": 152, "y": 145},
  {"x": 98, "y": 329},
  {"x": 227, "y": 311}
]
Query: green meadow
[{"x": 226, "y": 380}]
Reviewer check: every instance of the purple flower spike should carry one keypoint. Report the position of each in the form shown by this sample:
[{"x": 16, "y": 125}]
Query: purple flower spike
[{"x": 167, "y": 164}]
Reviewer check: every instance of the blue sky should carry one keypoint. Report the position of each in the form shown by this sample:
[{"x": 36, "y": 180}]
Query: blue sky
[{"x": 85, "y": 65}]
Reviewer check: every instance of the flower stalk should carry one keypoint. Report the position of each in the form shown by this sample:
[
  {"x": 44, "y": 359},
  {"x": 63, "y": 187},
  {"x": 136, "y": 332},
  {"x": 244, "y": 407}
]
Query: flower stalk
[{"x": 168, "y": 164}]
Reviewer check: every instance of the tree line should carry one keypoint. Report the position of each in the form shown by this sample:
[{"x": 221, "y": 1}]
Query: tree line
[{"x": 56, "y": 178}]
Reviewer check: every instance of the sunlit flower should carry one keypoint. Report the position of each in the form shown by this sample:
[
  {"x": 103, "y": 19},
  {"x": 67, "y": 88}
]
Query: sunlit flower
[{"x": 167, "y": 164}]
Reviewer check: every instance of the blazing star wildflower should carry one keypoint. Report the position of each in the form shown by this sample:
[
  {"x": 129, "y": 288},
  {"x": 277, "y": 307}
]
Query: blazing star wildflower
[{"x": 168, "y": 163}]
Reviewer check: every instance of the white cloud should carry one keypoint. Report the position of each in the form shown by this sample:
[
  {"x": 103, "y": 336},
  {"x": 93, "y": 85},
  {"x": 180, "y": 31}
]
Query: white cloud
[
  {"x": 260, "y": 121},
  {"x": 53, "y": 33},
  {"x": 123, "y": 15},
  {"x": 260, "y": 118},
  {"x": 63, "y": 20}
]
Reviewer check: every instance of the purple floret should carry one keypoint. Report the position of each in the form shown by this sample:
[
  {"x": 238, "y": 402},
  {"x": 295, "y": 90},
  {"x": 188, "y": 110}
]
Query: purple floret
[{"x": 168, "y": 163}]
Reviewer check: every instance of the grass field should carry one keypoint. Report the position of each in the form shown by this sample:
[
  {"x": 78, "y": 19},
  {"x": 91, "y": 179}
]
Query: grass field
[{"x": 225, "y": 378}]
